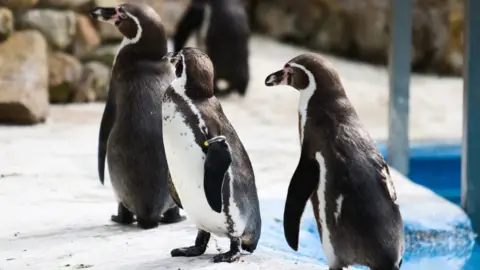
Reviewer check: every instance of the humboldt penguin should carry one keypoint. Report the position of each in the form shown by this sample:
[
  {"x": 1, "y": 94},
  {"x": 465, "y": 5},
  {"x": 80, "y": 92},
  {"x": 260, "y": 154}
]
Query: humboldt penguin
[
  {"x": 341, "y": 171},
  {"x": 217, "y": 190},
  {"x": 223, "y": 32},
  {"x": 130, "y": 135}
]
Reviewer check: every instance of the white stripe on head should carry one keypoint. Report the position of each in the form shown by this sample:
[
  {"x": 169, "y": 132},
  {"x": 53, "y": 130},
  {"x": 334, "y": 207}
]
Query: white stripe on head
[
  {"x": 139, "y": 29},
  {"x": 305, "y": 95},
  {"x": 179, "y": 83},
  {"x": 178, "y": 86},
  {"x": 127, "y": 41}
]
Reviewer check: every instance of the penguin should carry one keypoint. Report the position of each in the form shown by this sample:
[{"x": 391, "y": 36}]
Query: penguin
[
  {"x": 218, "y": 190},
  {"x": 341, "y": 171},
  {"x": 129, "y": 130},
  {"x": 223, "y": 32}
]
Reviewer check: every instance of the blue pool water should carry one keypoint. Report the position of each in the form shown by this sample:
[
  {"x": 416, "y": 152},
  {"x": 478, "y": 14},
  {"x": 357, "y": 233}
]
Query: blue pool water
[
  {"x": 438, "y": 167},
  {"x": 431, "y": 243}
]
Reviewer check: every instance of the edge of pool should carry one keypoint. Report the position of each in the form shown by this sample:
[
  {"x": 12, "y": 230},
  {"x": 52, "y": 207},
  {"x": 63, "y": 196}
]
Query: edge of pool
[{"x": 438, "y": 232}]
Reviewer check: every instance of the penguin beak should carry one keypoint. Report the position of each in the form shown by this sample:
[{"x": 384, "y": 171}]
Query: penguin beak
[
  {"x": 214, "y": 140},
  {"x": 109, "y": 15},
  {"x": 277, "y": 78}
]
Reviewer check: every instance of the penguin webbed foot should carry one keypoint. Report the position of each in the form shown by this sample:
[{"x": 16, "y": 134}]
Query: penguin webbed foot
[
  {"x": 171, "y": 216},
  {"x": 198, "y": 249},
  {"x": 124, "y": 216},
  {"x": 192, "y": 251},
  {"x": 230, "y": 256}
]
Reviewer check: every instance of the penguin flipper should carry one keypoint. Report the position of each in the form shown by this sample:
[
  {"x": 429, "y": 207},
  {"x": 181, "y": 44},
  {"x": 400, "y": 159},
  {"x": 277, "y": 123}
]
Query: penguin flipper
[
  {"x": 217, "y": 162},
  {"x": 106, "y": 125},
  {"x": 302, "y": 185},
  {"x": 191, "y": 20},
  {"x": 173, "y": 192}
]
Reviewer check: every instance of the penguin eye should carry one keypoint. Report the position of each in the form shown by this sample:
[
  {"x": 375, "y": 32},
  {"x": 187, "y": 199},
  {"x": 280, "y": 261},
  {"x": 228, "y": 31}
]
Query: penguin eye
[{"x": 121, "y": 12}]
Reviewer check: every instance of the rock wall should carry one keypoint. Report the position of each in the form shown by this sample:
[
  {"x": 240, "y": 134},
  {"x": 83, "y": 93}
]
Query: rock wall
[
  {"x": 361, "y": 29},
  {"x": 52, "y": 51},
  {"x": 56, "y": 53}
]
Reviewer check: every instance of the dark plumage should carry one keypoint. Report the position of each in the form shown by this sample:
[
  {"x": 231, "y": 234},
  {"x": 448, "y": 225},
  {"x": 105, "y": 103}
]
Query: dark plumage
[
  {"x": 341, "y": 171},
  {"x": 199, "y": 136},
  {"x": 129, "y": 132},
  {"x": 226, "y": 40}
]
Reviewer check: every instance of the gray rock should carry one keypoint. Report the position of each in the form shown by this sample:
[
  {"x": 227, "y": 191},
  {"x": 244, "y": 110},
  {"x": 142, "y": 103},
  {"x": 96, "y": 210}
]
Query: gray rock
[
  {"x": 274, "y": 19},
  {"x": 64, "y": 73},
  {"x": 58, "y": 27},
  {"x": 108, "y": 3},
  {"x": 361, "y": 29},
  {"x": 86, "y": 37},
  {"x": 94, "y": 82},
  {"x": 66, "y": 4},
  {"x": 18, "y": 4},
  {"x": 170, "y": 11},
  {"x": 104, "y": 54},
  {"x": 109, "y": 32},
  {"x": 24, "y": 78},
  {"x": 6, "y": 23}
]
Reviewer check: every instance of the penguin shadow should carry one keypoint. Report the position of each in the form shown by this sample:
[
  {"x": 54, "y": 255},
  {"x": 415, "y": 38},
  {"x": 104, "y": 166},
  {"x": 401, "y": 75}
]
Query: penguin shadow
[
  {"x": 103, "y": 230},
  {"x": 100, "y": 230},
  {"x": 184, "y": 263},
  {"x": 117, "y": 227},
  {"x": 215, "y": 247}
]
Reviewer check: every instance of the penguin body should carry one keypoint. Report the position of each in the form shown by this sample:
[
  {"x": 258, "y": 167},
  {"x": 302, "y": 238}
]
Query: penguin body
[
  {"x": 210, "y": 168},
  {"x": 129, "y": 136},
  {"x": 223, "y": 32},
  {"x": 341, "y": 172}
]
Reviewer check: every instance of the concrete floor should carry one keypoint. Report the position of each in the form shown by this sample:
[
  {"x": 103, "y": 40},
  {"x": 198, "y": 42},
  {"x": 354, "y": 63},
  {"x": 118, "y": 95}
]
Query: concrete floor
[{"x": 56, "y": 213}]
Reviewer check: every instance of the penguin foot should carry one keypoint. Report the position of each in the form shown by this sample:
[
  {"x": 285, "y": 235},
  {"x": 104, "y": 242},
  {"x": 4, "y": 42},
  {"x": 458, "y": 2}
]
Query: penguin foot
[
  {"x": 124, "y": 216},
  {"x": 249, "y": 248},
  {"x": 146, "y": 224},
  {"x": 172, "y": 215},
  {"x": 200, "y": 246},
  {"x": 230, "y": 256},
  {"x": 192, "y": 251}
]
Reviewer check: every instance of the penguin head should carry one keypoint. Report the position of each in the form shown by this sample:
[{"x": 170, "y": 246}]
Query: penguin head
[
  {"x": 305, "y": 71},
  {"x": 194, "y": 72},
  {"x": 132, "y": 20}
]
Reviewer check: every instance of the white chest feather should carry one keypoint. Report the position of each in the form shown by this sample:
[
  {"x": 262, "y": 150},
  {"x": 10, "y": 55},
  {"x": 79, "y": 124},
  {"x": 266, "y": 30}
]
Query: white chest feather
[
  {"x": 186, "y": 163},
  {"x": 305, "y": 95},
  {"x": 321, "y": 192}
]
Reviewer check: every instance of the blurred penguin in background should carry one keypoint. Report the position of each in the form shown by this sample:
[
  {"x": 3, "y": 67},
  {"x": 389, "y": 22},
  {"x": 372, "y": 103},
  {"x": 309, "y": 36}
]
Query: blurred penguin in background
[{"x": 223, "y": 32}]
